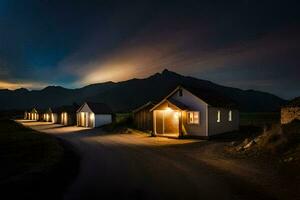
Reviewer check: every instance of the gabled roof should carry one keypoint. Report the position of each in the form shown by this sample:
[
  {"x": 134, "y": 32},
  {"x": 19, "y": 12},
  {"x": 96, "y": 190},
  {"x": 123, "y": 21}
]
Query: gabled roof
[
  {"x": 149, "y": 105},
  {"x": 210, "y": 97},
  {"x": 98, "y": 108},
  {"x": 69, "y": 109}
]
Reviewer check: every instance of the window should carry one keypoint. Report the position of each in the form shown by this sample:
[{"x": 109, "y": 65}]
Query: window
[
  {"x": 180, "y": 92},
  {"x": 230, "y": 116},
  {"x": 219, "y": 116},
  {"x": 193, "y": 117}
]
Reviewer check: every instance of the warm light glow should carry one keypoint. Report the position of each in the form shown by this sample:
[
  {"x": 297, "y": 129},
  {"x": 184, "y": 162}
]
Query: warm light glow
[
  {"x": 219, "y": 116},
  {"x": 230, "y": 116},
  {"x": 193, "y": 117},
  {"x": 176, "y": 115},
  {"x": 64, "y": 118},
  {"x": 92, "y": 116},
  {"x": 13, "y": 86},
  {"x": 168, "y": 109}
]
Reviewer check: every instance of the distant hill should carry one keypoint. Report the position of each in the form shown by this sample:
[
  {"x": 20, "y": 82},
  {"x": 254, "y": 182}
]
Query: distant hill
[{"x": 127, "y": 95}]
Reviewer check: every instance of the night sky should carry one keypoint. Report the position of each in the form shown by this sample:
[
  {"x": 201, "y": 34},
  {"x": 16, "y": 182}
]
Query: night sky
[{"x": 245, "y": 44}]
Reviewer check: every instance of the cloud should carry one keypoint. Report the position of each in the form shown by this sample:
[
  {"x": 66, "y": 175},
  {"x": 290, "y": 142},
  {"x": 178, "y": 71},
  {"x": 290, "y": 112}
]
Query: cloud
[{"x": 17, "y": 85}]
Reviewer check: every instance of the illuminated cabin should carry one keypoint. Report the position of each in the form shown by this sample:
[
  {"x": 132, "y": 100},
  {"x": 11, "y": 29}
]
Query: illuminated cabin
[
  {"x": 67, "y": 115},
  {"x": 33, "y": 115},
  {"x": 94, "y": 115},
  {"x": 194, "y": 112},
  {"x": 142, "y": 117},
  {"x": 50, "y": 116}
]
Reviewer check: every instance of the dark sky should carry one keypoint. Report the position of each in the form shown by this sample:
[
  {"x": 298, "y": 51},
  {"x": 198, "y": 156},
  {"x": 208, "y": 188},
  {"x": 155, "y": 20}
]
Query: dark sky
[{"x": 244, "y": 43}]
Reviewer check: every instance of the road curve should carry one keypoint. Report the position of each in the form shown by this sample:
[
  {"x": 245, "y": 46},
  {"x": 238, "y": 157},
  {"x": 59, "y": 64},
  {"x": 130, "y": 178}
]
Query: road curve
[{"x": 135, "y": 166}]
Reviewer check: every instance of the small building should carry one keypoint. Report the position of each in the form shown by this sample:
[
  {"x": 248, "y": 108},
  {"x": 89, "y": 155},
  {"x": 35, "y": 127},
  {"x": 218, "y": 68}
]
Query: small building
[
  {"x": 33, "y": 115},
  {"x": 50, "y": 116},
  {"x": 94, "y": 115},
  {"x": 67, "y": 115},
  {"x": 189, "y": 111},
  {"x": 291, "y": 111},
  {"x": 142, "y": 117}
]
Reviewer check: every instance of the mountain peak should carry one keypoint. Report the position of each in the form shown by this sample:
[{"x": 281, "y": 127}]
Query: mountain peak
[
  {"x": 21, "y": 90},
  {"x": 53, "y": 87},
  {"x": 167, "y": 72}
]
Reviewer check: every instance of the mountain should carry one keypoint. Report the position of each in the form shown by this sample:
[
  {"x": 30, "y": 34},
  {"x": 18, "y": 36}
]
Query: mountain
[{"x": 127, "y": 95}]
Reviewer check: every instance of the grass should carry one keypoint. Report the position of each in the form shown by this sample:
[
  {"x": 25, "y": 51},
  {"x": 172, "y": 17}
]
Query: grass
[
  {"x": 123, "y": 117},
  {"x": 30, "y": 160},
  {"x": 121, "y": 123},
  {"x": 280, "y": 139}
]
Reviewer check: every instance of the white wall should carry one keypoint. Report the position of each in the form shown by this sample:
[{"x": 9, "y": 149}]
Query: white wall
[
  {"x": 102, "y": 119},
  {"x": 224, "y": 125},
  {"x": 195, "y": 104}
]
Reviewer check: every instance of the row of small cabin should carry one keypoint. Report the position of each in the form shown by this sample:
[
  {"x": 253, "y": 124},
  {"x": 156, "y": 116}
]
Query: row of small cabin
[
  {"x": 184, "y": 112},
  {"x": 88, "y": 115}
]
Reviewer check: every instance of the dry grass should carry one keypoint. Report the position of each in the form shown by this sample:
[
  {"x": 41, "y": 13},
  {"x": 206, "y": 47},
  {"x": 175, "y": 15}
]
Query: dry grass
[
  {"x": 275, "y": 142},
  {"x": 279, "y": 139}
]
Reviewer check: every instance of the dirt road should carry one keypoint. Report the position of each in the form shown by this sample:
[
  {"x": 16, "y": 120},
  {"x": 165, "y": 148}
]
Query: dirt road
[{"x": 136, "y": 166}]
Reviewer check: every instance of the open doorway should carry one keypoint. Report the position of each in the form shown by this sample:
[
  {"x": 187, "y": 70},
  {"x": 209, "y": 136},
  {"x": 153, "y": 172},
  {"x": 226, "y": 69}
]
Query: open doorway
[{"x": 167, "y": 122}]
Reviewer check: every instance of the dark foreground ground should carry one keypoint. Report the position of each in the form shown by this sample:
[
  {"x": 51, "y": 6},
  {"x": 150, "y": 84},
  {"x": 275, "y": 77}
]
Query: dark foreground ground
[
  {"x": 33, "y": 165},
  {"x": 136, "y": 166}
]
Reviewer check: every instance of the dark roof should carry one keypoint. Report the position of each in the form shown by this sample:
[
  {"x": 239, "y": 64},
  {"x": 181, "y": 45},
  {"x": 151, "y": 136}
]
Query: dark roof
[
  {"x": 66, "y": 108},
  {"x": 99, "y": 108},
  {"x": 294, "y": 102},
  {"x": 212, "y": 97},
  {"x": 147, "y": 105},
  {"x": 41, "y": 111}
]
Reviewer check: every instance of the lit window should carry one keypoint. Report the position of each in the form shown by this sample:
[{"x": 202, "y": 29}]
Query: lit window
[
  {"x": 230, "y": 116},
  {"x": 219, "y": 116},
  {"x": 193, "y": 117}
]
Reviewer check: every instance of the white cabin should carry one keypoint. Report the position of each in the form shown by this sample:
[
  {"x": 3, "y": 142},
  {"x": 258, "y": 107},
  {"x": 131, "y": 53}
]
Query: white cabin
[
  {"x": 94, "y": 115},
  {"x": 194, "y": 112}
]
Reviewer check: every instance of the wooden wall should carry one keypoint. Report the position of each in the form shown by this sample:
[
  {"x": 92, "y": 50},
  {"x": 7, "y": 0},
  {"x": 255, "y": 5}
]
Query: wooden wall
[{"x": 143, "y": 119}]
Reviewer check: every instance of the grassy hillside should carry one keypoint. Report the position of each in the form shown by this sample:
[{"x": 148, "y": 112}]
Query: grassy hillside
[{"x": 30, "y": 162}]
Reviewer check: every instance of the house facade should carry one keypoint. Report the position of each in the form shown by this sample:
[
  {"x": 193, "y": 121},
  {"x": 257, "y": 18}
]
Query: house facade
[
  {"x": 67, "y": 115},
  {"x": 94, "y": 115},
  {"x": 192, "y": 112},
  {"x": 50, "y": 116},
  {"x": 33, "y": 115},
  {"x": 142, "y": 117}
]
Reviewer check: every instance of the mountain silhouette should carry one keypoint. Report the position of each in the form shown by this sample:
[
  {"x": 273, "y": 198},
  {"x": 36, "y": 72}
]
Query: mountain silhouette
[{"x": 126, "y": 95}]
